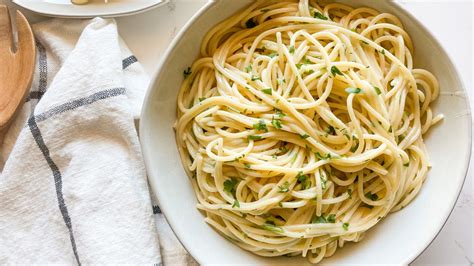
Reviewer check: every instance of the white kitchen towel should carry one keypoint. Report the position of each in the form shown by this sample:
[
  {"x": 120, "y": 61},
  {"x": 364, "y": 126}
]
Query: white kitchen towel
[{"x": 73, "y": 186}]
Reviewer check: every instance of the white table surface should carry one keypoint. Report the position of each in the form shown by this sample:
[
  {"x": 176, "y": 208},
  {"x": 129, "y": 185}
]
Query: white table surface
[
  {"x": 450, "y": 21},
  {"x": 452, "y": 24}
]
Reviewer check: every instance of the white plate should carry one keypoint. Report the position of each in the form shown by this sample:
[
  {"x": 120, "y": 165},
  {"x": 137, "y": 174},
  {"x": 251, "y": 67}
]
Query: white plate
[
  {"x": 96, "y": 8},
  {"x": 396, "y": 240}
]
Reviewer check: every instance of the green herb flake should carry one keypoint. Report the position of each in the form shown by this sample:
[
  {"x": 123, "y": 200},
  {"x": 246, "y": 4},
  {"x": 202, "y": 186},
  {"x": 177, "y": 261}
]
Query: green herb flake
[
  {"x": 320, "y": 16},
  {"x": 187, "y": 72},
  {"x": 335, "y": 71},
  {"x": 276, "y": 123},
  {"x": 236, "y": 204},
  {"x": 267, "y": 91},
  {"x": 254, "y": 137},
  {"x": 272, "y": 55},
  {"x": 304, "y": 136},
  {"x": 254, "y": 78},
  {"x": 230, "y": 184},
  {"x": 303, "y": 180},
  {"x": 330, "y": 130},
  {"x": 298, "y": 66},
  {"x": 353, "y": 90},
  {"x": 345, "y": 226},
  {"x": 202, "y": 99},
  {"x": 248, "y": 68},
  {"x": 279, "y": 113},
  {"x": 355, "y": 147},
  {"x": 292, "y": 49},
  {"x": 322, "y": 220},
  {"x": 284, "y": 188},
  {"x": 331, "y": 218},
  {"x": 323, "y": 183},
  {"x": 272, "y": 228},
  {"x": 406, "y": 164},
  {"x": 318, "y": 220},
  {"x": 321, "y": 157},
  {"x": 349, "y": 192},
  {"x": 283, "y": 149},
  {"x": 382, "y": 51},
  {"x": 377, "y": 90},
  {"x": 247, "y": 165},
  {"x": 364, "y": 42},
  {"x": 371, "y": 196},
  {"x": 261, "y": 126}
]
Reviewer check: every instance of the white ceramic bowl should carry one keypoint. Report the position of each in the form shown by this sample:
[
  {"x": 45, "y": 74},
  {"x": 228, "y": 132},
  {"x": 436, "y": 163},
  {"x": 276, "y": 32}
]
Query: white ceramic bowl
[{"x": 398, "y": 239}]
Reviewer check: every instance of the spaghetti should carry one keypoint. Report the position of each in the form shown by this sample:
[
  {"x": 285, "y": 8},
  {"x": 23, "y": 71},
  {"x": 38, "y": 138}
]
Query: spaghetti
[{"x": 301, "y": 125}]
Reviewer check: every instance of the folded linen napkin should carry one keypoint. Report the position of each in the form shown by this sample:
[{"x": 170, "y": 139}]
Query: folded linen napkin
[{"x": 73, "y": 186}]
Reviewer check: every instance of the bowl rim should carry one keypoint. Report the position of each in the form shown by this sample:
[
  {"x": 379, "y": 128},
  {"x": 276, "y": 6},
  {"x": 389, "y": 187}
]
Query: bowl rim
[{"x": 170, "y": 49}]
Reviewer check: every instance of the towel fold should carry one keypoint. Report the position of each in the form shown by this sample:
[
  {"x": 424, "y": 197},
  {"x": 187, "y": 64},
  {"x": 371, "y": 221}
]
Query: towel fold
[{"x": 73, "y": 186}]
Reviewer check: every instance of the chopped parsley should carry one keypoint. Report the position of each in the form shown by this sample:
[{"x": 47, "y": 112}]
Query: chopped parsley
[
  {"x": 267, "y": 91},
  {"x": 248, "y": 68},
  {"x": 322, "y": 220},
  {"x": 330, "y": 130},
  {"x": 371, "y": 196},
  {"x": 318, "y": 220},
  {"x": 304, "y": 136},
  {"x": 254, "y": 78},
  {"x": 309, "y": 72},
  {"x": 279, "y": 113},
  {"x": 335, "y": 71},
  {"x": 261, "y": 126},
  {"x": 276, "y": 123},
  {"x": 355, "y": 147},
  {"x": 320, "y": 157},
  {"x": 320, "y": 16},
  {"x": 254, "y": 137},
  {"x": 382, "y": 51},
  {"x": 236, "y": 204},
  {"x": 202, "y": 99},
  {"x": 247, "y": 165},
  {"x": 331, "y": 218},
  {"x": 377, "y": 90},
  {"x": 353, "y": 90},
  {"x": 345, "y": 226},
  {"x": 284, "y": 188},
  {"x": 292, "y": 49},
  {"x": 272, "y": 55},
  {"x": 323, "y": 183},
  {"x": 230, "y": 184},
  {"x": 406, "y": 164},
  {"x": 298, "y": 66},
  {"x": 187, "y": 72},
  {"x": 303, "y": 180},
  {"x": 349, "y": 192},
  {"x": 272, "y": 228},
  {"x": 283, "y": 149}
]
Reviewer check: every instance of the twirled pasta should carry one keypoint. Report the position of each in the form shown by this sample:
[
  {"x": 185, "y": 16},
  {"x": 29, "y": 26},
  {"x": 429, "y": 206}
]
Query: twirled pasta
[{"x": 301, "y": 125}]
